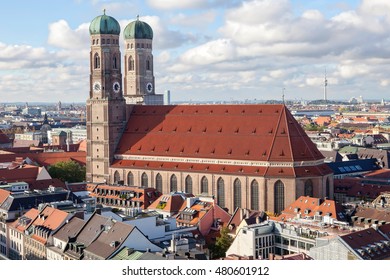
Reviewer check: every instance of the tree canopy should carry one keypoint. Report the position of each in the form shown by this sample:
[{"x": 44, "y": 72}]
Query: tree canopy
[
  {"x": 218, "y": 250},
  {"x": 68, "y": 171}
]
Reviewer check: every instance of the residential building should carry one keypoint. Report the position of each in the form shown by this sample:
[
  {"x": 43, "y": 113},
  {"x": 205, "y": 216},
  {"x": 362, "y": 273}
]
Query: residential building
[
  {"x": 123, "y": 196},
  {"x": 39, "y": 232},
  {"x": 169, "y": 204},
  {"x": 96, "y": 238},
  {"x": 203, "y": 213},
  {"x": 367, "y": 244}
]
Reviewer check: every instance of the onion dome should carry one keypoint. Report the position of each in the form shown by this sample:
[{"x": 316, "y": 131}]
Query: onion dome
[
  {"x": 138, "y": 30},
  {"x": 104, "y": 25}
]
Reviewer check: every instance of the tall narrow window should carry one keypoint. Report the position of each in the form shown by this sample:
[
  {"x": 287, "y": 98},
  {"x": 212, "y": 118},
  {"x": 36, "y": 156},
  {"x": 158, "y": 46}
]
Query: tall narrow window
[
  {"x": 144, "y": 180},
  {"x": 131, "y": 63},
  {"x": 221, "y": 192},
  {"x": 327, "y": 191},
  {"x": 96, "y": 61},
  {"x": 130, "y": 179},
  {"x": 309, "y": 188},
  {"x": 117, "y": 177},
  {"x": 148, "y": 63},
  {"x": 255, "y": 195},
  {"x": 173, "y": 184},
  {"x": 279, "y": 197},
  {"x": 204, "y": 185},
  {"x": 188, "y": 186},
  {"x": 237, "y": 193},
  {"x": 159, "y": 186},
  {"x": 115, "y": 62}
]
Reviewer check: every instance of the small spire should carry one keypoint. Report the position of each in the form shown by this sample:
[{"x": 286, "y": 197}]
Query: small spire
[
  {"x": 137, "y": 17},
  {"x": 104, "y": 11}
]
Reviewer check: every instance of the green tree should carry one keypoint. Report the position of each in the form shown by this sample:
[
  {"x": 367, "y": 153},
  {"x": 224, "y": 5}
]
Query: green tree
[
  {"x": 68, "y": 171},
  {"x": 218, "y": 250}
]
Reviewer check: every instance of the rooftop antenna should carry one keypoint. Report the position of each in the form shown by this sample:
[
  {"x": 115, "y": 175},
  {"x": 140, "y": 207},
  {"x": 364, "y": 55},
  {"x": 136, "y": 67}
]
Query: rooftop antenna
[{"x": 325, "y": 87}]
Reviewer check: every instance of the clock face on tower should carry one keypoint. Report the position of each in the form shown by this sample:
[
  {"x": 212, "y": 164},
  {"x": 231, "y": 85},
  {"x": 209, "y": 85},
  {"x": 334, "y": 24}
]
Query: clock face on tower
[
  {"x": 116, "y": 87},
  {"x": 149, "y": 87},
  {"x": 97, "y": 87}
]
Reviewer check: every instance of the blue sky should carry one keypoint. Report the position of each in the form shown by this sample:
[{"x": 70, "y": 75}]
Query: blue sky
[{"x": 205, "y": 49}]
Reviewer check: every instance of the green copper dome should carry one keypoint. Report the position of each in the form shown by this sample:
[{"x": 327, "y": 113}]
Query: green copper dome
[
  {"x": 138, "y": 30},
  {"x": 104, "y": 25}
]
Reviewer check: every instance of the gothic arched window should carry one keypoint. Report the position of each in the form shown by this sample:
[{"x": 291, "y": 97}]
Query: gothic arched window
[
  {"x": 96, "y": 61},
  {"x": 237, "y": 193},
  {"x": 255, "y": 195},
  {"x": 308, "y": 188},
  {"x": 279, "y": 197},
  {"x": 117, "y": 177},
  {"x": 173, "y": 181},
  {"x": 131, "y": 63},
  {"x": 144, "y": 180},
  {"x": 159, "y": 185},
  {"x": 130, "y": 179},
  {"x": 188, "y": 184},
  {"x": 204, "y": 185},
  {"x": 221, "y": 192}
]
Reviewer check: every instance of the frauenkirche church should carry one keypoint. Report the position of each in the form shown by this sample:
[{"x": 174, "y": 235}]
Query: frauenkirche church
[{"x": 249, "y": 156}]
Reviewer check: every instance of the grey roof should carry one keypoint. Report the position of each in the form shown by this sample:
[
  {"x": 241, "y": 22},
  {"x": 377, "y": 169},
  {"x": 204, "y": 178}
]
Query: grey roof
[
  {"x": 92, "y": 228},
  {"x": 152, "y": 256},
  {"x": 380, "y": 155},
  {"x": 331, "y": 156},
  {"x": 31, "y": 200},
  {"x": 109, "y": 241},
  {"x": 353, "y": 166},
  {"x": 69, "y": 229}
]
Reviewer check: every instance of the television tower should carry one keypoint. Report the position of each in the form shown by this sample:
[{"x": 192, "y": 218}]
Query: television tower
[{"x": 325, "y": 87}]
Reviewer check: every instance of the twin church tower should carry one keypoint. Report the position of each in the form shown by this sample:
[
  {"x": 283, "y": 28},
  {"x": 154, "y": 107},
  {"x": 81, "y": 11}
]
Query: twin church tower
[{"x": 109, "y": 102}]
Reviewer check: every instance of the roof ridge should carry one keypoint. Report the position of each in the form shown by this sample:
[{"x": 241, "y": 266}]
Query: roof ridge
[
  {"x": 274, "y": 137},
  {"x": 289, "y": 137},
  {"x": 303, "y": 135}
]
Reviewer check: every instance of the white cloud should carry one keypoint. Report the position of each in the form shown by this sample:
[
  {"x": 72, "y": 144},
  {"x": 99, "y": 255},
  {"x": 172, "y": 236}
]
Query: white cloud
[
  {"x": 163, "y": 36},
  {"x": 189, "y": 4},
  {"x": 196, "y": 20},
  {"x": 62, "y": 36},
  {"x": 212, "y": 52}
]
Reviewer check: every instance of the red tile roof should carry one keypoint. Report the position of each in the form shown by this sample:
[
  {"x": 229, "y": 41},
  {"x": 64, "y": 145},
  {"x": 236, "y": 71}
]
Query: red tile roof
[
  {"x": 367, "y": 243},
  {"x": 170, "y": 203},
  {"x": 25, "y": 173},
  {"x": 44, "y": 184},
  {"x": 50, "y": 218},
  {"x": 145, "y": 196},
  {"x": 45, "y": 158},
  {"x": 355, "y": 187},
  {"x": 310, "y": 206},
  {"x": 4, "y": 138},
  {"x": 239, "y": 132},
  {"x": 20, "y": 224},
  {"x": 4, "y": 194},
  {"x": 49, "y": 158}
]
